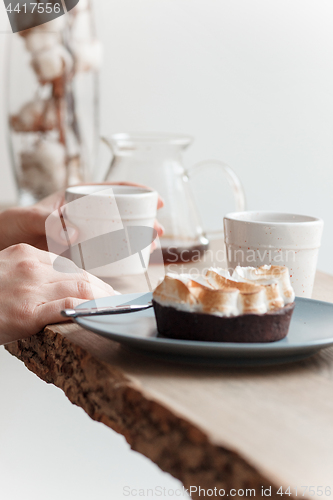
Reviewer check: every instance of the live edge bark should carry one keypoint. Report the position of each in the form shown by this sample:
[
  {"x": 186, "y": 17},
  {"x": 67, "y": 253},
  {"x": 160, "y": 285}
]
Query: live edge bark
[{"x": 108, "y": 396}]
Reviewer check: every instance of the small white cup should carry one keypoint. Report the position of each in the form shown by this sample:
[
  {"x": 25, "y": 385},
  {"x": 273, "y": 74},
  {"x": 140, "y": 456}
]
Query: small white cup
[
  {"x": 97, "y": 210},
  {"x": 263, "y": 238}
]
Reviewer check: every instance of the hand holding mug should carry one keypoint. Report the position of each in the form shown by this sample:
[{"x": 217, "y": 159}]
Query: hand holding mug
[{"x": 27, "y": 224}]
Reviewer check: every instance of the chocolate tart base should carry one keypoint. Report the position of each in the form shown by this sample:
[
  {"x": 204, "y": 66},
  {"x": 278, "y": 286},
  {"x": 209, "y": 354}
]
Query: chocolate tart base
[{"x": 182, "y": 325}]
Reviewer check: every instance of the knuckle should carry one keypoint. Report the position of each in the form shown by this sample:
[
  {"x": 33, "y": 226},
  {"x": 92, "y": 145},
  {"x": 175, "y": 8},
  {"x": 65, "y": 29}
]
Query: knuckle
[
  {"x": 69, "y": 303},
  {"x": 21, "y": 249},
  {"x": 28, "y": 267},
  {"x": 83, "y": 288},
  {"x": 84, "y": 275}
]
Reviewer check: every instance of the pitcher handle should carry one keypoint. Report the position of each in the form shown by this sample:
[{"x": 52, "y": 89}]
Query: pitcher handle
[
  {"x": 108, "y": 143},
  {"x": 231, "y": 176}
]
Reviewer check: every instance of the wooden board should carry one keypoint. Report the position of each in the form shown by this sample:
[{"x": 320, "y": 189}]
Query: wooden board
[{"x": 218, "y": 427}]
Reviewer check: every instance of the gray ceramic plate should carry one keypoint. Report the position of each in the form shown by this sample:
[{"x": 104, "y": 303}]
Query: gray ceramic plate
[{"x": 311, "y": 329}]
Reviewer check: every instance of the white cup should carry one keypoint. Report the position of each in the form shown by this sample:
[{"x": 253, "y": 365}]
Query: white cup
[
  {"x": 100, "y": 212},
  {"x": 263, "y": 238}
]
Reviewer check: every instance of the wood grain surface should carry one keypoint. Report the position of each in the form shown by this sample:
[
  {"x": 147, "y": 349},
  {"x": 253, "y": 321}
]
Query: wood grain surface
[{"x": 210, "y": 427}]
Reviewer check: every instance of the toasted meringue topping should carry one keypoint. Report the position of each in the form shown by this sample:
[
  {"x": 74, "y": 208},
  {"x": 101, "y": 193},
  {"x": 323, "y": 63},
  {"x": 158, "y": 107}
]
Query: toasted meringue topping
[
  {"x": 174, "y": 290},
  {"x": 248, "y": 291},
  {"x": 219, "y": 281},
  {"x": 268, "y": 275},
  {"x": 215, "y": 301}
]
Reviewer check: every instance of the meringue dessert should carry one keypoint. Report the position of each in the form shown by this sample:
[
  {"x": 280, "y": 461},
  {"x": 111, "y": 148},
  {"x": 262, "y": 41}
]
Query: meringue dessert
[{"x": 251, "y": 305}]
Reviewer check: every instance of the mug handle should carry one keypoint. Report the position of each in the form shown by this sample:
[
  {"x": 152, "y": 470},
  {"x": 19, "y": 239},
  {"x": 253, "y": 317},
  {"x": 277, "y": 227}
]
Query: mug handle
[{"x": 231, "y": 176}]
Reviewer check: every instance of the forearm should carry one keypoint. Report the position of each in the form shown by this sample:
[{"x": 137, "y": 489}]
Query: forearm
[{"x": 23, "y": 225}]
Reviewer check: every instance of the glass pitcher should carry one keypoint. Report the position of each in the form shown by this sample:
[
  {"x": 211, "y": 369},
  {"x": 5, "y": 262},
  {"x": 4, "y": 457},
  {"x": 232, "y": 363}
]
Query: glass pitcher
[{"x": 155, "y": 160}]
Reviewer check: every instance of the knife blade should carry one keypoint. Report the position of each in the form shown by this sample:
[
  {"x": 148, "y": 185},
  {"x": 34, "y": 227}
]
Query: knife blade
[{"x": 104, "y": 311}]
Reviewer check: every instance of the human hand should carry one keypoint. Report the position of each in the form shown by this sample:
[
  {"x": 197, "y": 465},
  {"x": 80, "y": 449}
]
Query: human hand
[
  {"x": 27, "y": 224},
  {"x": 33, "y": 293}
]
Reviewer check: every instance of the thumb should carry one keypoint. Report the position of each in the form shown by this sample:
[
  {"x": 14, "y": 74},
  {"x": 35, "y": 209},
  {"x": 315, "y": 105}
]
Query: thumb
[
  {"x": 59, "y": 230},
  {"x": 34, "y": 220}
]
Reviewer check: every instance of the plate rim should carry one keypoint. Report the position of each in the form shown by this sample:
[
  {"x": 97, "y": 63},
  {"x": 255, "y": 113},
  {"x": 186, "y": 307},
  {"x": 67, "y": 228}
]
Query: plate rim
[{"x": 266, "y": 348}]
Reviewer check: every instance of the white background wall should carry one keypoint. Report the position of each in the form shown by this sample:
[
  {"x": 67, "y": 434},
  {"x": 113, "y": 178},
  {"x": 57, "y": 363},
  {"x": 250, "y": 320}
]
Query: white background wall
[{"x": 252, "y": 80}]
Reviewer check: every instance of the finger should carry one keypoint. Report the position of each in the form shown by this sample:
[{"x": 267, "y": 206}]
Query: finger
[
  {"x": 38, "y": 220},
  {"x": 160, "y": 202},
  {"x": 66, "y": 265},
  {"x": 50, "y": 312},
  {"x": 23, "y": 251},
  {"x": 159, "y": 228},
  {"x": 46, "y": 273},
  {"x": 66, "y": 235},
  {"x": 52, "y": 202},
  {"x": 79, "y": 289},
  {"x": 41, "y": 228},
  {"x": 27, "y": 223},
  {"x": 125, "y": 183},
  {"x": 59, "y": 230},
  {"x": 66, "y": 270}
]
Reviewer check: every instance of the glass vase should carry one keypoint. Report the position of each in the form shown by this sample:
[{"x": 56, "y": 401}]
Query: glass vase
[{"x": 53, "y": 104}]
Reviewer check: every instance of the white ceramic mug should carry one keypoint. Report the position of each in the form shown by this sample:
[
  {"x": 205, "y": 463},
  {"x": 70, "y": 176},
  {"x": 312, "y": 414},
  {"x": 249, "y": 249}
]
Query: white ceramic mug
[
  {"x": 264, "y": 238},
  {"x": 100, "y": 213}
]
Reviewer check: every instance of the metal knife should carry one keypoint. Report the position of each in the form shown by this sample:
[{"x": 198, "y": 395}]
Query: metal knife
[{"x": 101, "y": 311}]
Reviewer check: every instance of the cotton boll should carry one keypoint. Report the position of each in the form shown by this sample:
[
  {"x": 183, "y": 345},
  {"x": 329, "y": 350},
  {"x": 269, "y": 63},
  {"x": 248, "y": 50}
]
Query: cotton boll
[
  {"x": 28, "y": 116},
  {"x": 57, "y": 24},
  {"x": 44, "y": 168},
  {"x": 37, "y": 41},
  {"x": 82, "y": 5},
  {"x": 35, "y": 116},
  {"x": 81, "y": 29},
  {"x": 52, "y": 63},
  {"x": 88, "y": 56}
]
